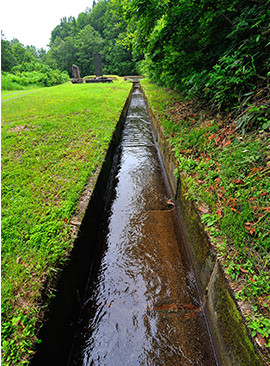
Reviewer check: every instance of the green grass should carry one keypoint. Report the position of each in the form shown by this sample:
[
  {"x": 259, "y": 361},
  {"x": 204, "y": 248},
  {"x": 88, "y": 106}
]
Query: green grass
[
  {"x": 53, "y": 141},
  {"x": 227, "y": 175},
  {"x": 14, "y": 94}
]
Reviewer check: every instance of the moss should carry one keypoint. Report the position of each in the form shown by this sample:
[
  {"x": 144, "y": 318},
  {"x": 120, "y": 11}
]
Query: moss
[{"x": 231, "y": 325}]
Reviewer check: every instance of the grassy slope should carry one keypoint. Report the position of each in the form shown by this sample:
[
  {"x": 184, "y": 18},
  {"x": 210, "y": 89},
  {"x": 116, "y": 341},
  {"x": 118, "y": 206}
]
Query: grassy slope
[
  {"x": 53, "y": 141},
  {"x": 227, "y": 175}
]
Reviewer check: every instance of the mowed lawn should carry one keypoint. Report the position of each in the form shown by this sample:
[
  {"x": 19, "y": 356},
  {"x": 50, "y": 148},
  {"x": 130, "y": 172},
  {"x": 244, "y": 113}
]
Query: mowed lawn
[{"x": 53, "y": 141}]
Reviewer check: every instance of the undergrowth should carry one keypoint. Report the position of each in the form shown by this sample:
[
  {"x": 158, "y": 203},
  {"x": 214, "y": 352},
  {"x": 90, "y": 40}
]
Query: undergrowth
[
  {"x": 226, "y": 169},
  {"x": 30, "y": 74}
]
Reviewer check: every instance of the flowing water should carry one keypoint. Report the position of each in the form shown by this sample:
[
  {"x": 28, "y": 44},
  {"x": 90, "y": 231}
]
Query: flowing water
[{"x": 141, "y": 306}]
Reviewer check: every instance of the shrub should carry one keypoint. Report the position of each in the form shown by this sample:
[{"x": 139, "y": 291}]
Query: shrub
[{"x": 23, "y": 76}]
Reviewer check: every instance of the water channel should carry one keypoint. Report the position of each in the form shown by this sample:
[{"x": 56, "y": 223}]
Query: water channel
[{"x": 141, "y": 305}]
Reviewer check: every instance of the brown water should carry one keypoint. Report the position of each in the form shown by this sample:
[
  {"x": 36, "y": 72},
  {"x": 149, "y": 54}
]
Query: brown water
[{"x": 141, "y": 305}]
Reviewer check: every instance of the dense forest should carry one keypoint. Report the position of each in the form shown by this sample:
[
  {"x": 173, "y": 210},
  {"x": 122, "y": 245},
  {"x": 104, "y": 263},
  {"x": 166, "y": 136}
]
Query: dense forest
[{"x": 217, "y": 52}]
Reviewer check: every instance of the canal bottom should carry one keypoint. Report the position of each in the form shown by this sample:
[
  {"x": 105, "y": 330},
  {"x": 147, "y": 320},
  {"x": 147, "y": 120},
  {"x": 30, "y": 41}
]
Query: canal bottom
[{"x": 141, "y": 306}]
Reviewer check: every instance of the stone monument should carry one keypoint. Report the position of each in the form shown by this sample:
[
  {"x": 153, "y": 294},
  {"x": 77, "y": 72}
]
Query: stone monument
[
  {"x": 98, "y": 64},
  {"x": 99, "y": 78},
  {"x": 76, "y": 75}
]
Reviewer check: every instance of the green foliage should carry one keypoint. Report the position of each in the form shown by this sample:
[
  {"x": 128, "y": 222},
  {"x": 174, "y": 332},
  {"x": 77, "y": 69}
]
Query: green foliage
[
  {"x": 66, "y": 28},
  {"x": 7, "y": 83},
  {"x": 22, "y": 67},
  {"x": 87, "y": 41},
  {"x": 24, "y": 79},
  {"x": 32, "y": 73},
  {"x": 256, "y": 116},
  {"x": 14, "y": 53},
  {"x": 215, "y": 51},
  {"x": 260, "y": 325},
  {"x": 8, "y": 59},
  {"x": 24, "y": 328},
  {"x": 74, "y": 41}
]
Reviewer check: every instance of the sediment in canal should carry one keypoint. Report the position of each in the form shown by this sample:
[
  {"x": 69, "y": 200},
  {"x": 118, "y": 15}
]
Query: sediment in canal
[{"x": 232, "y": 342}]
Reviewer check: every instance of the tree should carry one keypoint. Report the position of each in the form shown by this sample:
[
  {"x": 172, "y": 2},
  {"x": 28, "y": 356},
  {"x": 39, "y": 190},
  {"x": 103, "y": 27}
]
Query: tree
[
  {"x": 67, "y": 27},
  {"x": 88, "y": 41},
  {"x": 218, "y": 51},
  {"x": 63, "y": 54},
  {"x": 8, "y": 60},
  {"x": 14, "y": 53},
  {"x": 96, "y": 30}
]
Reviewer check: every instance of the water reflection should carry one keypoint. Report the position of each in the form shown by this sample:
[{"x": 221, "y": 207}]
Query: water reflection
[{"x": 141, "y": 307}]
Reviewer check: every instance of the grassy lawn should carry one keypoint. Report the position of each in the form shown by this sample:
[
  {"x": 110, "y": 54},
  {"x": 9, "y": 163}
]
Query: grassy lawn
[
  {"x": 227, "y": 175},
  {"x": 53, "y": 141},
  {"x": 14, "y": 94}
]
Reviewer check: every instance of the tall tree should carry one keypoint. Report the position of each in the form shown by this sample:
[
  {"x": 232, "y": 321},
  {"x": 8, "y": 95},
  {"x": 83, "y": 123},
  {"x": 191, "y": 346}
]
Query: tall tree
[
  {"x": 13, "y": 53},
  {"x": 88, "y": 41},
  {"x": 67, "y": 27},
  {"x": 96, "y": 29}
]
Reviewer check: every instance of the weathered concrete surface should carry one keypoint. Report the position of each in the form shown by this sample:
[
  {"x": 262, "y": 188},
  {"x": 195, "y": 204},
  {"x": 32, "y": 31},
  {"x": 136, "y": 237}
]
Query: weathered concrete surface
[{"x": 233, "y": 345}]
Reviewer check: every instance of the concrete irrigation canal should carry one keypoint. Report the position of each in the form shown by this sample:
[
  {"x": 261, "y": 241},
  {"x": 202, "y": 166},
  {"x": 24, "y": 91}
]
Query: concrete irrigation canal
[
  {"x": 143, "y": 303},
  {"x": 141, "y": 306}
]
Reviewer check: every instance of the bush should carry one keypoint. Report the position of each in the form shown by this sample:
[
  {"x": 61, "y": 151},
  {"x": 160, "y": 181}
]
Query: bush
[
  {"x": 30, "y": 75},
  {"x": 8, "y": 84}
]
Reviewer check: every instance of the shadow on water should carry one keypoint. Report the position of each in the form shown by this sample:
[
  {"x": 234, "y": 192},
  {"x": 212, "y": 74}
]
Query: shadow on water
[{"x": 141, "y": 305}]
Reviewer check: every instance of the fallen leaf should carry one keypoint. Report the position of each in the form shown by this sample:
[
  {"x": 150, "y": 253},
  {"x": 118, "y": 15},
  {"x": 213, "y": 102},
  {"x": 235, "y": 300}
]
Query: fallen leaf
[
  {"x": 251, "y": 279},
  {"x": 219, "y": 213},
  {"x": 220, "y": 195},
  {"x": 210, "y": 138},
  {"x": 250, "y": 228},
  {"x": 227, "y": 143},
  {"x": 243, "y": 270},
  {"x": 256, "y": 169},
  {"x": 267, "y": 209},
  {"x": 260, "y": 340},
  {"x": 238, "y": 181}
]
